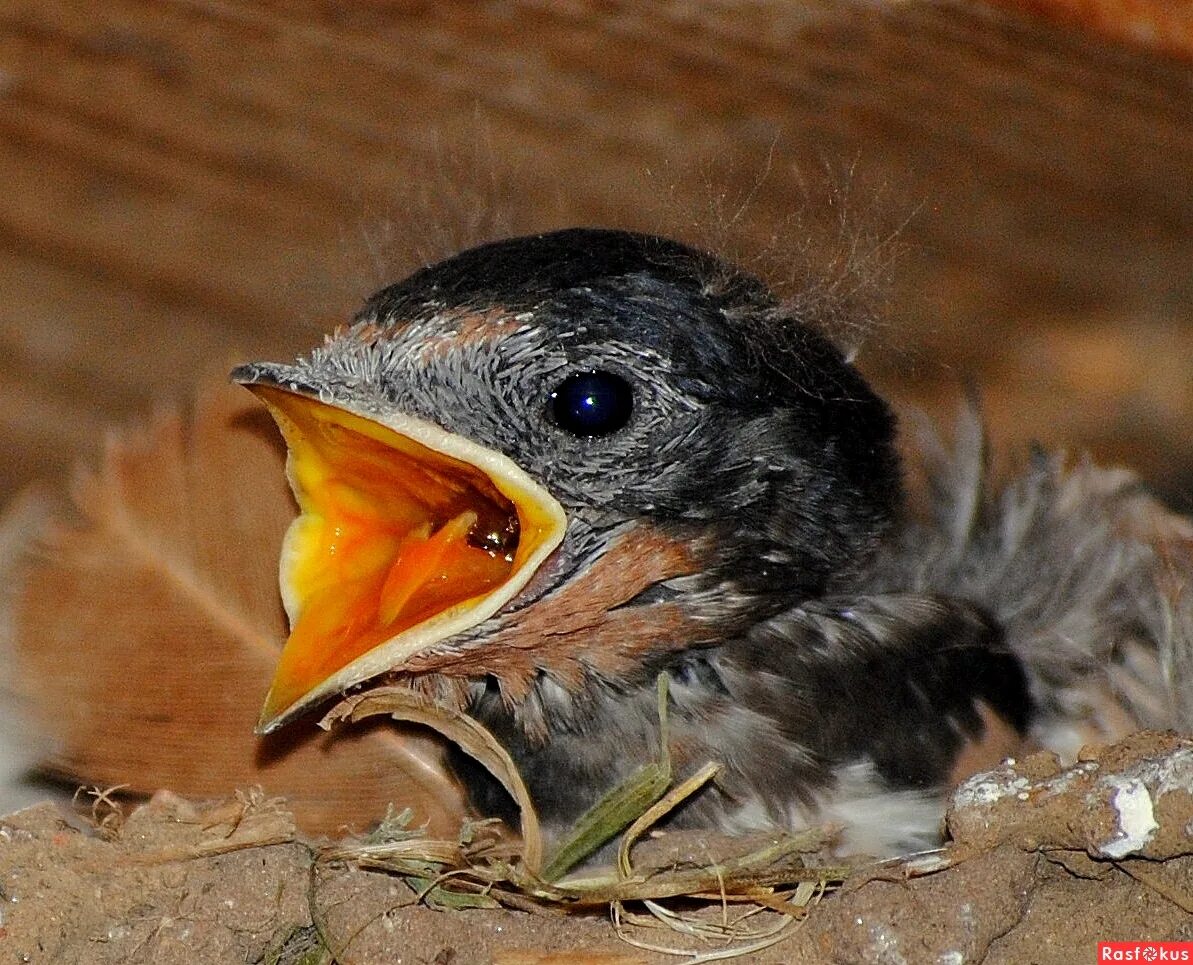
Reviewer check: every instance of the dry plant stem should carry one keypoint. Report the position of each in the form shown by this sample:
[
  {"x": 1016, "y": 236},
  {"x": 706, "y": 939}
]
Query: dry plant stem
[
  {"x": 750, "y": 940},
  {"x": 767, "y": 867},
  {"x": 794, "y": 906},
  {"x": 211, "y": 849},
  {"x": 659, "y": 809},
  {"x": 385, "y": 854},
  {"x": 772, "y": 936},
  {"x": 609, "y": 816},
  {"x": 622, "y": 806},
  {"x": 404, "y": 704}
]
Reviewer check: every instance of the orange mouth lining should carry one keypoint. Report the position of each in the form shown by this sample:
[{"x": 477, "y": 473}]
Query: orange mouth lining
[{"x": 394, "y": 538}]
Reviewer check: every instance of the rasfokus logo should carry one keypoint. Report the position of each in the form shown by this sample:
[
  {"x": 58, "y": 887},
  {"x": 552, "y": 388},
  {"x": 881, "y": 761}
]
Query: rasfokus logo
[{"x": 1147, "y": 952}]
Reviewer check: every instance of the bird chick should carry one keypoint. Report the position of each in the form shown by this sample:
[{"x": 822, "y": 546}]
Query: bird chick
[{"x": 539, "y": 474}]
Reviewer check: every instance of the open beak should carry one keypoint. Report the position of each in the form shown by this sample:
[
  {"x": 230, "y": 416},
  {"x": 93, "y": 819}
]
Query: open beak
[{"x": 406, "y": 535}]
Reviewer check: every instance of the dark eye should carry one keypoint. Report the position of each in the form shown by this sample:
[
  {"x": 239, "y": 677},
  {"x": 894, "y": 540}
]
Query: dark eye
[{"x": 592, "y": 403}]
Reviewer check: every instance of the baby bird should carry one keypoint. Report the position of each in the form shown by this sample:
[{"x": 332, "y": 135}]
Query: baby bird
[{"x": 537, "y": 475}]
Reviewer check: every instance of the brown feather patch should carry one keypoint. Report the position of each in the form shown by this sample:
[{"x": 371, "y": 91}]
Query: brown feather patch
[
  {"x": 146, "y": 633},
  {"x": 456, "y": 329},
  {"x": 579, "y": 627}
]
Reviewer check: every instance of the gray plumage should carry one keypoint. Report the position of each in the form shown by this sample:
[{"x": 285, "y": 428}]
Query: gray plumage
[{"x": 1088, "y": 574}]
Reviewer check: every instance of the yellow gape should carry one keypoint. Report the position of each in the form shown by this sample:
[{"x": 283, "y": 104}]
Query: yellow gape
[{"x": 406, "y": 536}]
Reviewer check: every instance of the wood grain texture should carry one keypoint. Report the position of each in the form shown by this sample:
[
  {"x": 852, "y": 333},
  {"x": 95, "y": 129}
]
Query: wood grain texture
[{"x": 195, "y": 181}]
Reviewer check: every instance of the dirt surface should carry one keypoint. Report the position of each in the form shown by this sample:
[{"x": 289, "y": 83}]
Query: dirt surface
[{"x": 1045, "y": 862}]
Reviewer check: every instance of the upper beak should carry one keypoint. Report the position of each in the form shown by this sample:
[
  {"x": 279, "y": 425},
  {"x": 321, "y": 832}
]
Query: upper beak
[{"x": 407, "y": 535}]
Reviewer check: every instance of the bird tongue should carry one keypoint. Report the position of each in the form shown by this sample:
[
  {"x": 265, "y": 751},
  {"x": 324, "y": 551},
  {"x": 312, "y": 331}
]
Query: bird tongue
[{"x": 398, "y": 545}]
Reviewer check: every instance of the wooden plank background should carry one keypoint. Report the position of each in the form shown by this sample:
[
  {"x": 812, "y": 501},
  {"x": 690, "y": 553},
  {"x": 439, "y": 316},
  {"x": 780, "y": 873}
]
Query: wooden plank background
[{"x": 185, "y": 183}]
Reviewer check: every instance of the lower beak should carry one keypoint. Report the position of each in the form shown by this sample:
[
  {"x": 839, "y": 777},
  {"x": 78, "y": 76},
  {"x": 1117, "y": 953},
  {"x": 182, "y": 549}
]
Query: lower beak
[{"x": 407, "y": 536}]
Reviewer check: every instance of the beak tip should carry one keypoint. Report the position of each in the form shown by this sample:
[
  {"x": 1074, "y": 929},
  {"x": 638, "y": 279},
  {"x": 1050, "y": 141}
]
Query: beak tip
[
  {"x": 267, "y": 725},
  {"x": 272, "y": 717}
]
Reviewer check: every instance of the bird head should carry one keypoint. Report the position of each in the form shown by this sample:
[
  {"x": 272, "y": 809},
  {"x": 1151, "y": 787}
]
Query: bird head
[{"x": 564, "y": 459}]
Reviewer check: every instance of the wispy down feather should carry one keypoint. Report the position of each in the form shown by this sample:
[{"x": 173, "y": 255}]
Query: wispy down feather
[{"x": 1087, "y": 573}]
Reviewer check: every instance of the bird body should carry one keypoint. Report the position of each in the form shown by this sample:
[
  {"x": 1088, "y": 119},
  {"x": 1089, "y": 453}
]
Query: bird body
[{"x": 616, "y": 457}]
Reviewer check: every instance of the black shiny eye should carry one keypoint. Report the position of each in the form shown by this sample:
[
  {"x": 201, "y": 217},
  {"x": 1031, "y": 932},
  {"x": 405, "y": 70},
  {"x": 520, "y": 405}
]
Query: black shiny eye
[{"x": 592, "y": 403}]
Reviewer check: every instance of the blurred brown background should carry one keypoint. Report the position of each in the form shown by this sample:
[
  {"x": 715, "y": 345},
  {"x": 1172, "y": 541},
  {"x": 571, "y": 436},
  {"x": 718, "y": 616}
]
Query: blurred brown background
[{"x": 188, "y": 183}]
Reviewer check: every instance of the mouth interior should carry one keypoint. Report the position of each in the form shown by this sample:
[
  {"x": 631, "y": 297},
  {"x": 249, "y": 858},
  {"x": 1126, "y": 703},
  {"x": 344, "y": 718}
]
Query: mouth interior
[{"x": 393, "y": 537}]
